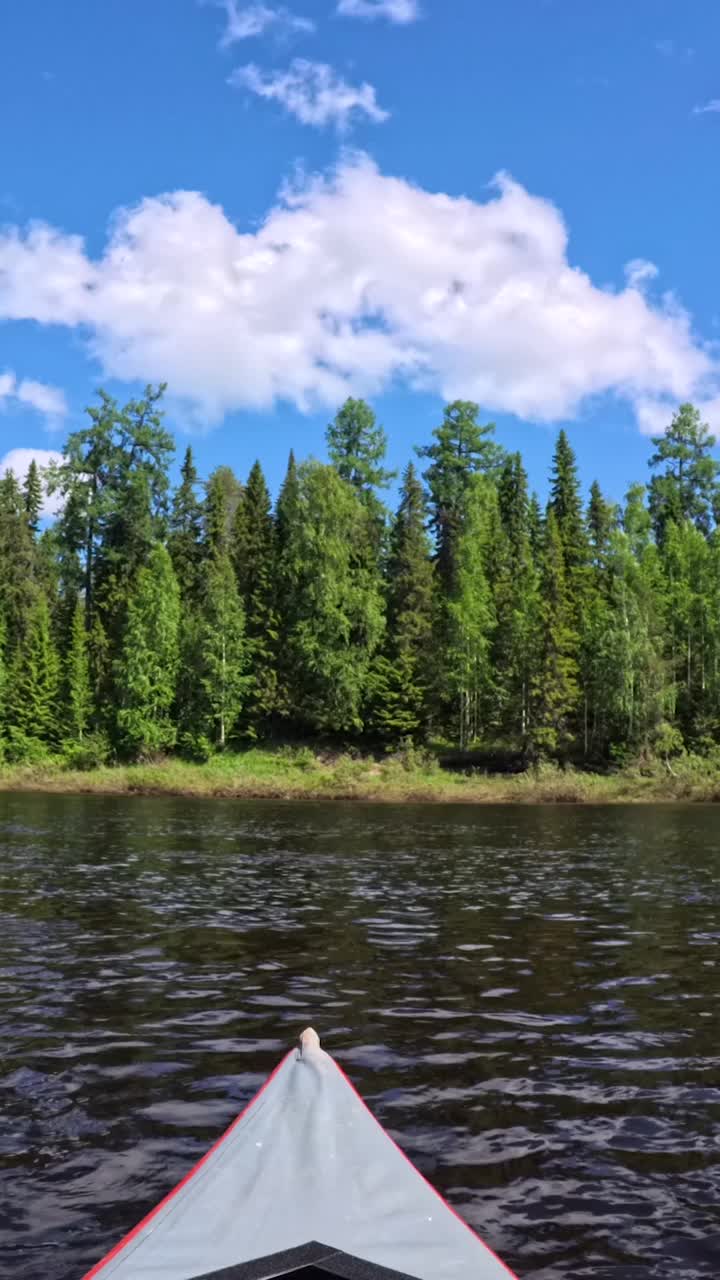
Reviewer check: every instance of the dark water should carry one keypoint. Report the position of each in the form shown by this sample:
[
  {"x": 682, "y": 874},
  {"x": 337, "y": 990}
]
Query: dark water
[{"x": 529, "y": 1000}]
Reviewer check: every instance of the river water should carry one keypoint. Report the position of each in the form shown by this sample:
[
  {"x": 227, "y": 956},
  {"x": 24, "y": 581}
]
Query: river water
[{"x": 527, "y": 998}]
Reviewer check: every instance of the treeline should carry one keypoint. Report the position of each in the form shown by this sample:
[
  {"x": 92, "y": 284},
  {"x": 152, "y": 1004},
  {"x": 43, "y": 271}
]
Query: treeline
[{"x": 144, "y": 621}]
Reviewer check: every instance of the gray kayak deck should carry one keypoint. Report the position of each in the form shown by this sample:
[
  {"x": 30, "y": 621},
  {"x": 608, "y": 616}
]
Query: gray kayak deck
[{"x": 306, "y": 1166}]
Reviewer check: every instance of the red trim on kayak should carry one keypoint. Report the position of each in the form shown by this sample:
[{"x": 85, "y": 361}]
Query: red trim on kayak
[
  {"x": 94, "y": 1271},
  {"x": 435, "y": 1191}
]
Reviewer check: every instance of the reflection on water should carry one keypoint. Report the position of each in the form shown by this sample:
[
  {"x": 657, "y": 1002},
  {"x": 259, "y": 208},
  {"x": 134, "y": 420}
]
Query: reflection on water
[{"x": 528, "y": 999}]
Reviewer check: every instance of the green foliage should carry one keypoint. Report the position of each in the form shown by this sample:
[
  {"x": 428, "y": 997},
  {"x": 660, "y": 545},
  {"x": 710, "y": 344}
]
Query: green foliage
[
  {"x": 33, "y": 496},
  {"x": 222, "y": 652},
  {"x": 402, "y": 672},
  {"x": 687, "y": 488},
  {"x": 462, "y": 447},
  {"x": 331, "y": 599},
  {"x": 589, "y": 634},
  {"x": 185, "y": 539},
  {"x": 253, "y": 553},
  {"x": 78, "y": 687},
  {"x": 357, "y": 447},
  {"x": 147, "y": 664},
  {"x": 34, "y": 678}
]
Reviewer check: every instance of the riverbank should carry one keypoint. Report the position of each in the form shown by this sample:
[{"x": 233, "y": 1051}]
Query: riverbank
[{"x": 300, "y": 774}]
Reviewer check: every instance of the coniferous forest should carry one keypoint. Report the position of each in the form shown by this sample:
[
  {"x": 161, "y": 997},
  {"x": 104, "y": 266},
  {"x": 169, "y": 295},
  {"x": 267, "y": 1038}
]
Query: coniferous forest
[{"x": 146, "y": 620}]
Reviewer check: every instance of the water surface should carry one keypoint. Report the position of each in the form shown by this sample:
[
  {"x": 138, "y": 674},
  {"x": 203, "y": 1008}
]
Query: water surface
[{"x": 528, "y": 999}]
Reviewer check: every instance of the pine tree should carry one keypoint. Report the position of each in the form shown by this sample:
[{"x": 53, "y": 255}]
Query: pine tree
[
  {"x": 555, "y": 690},
  {"x": 688, "y": 487},
  {"x": 332, "y": 601},
  {"x": 471, "y": 616},
  {"x": 33, "y": 684},
  {"x": 287, "y": 518},
  {"x": 566, "y": 505},
  {"x": 601, "y": 521},
  {"x": 517, "y": 602},
  {"x": 33, "y": 495},
  {"x": 253, "y": 551},
  {"x": 357, "y": 448},
  {"x": 17, "y": 560},
  {"x": 401, "y": 672},
  {"x": 78, "y": 689},
  {"x": 462, "y": 447},
  {"x": 223, "y": 492},
  {"x": 185, "y": 540},
  {"x": 147, "y": 665},
  {"x": 222, "y": 653}
]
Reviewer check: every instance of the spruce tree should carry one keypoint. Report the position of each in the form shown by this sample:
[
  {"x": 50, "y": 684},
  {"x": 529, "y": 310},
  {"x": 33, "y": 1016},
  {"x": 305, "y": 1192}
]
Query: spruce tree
[
  {"x": 77, "y": 684},
  {"x": 462, "y": 447},
  {"x": 471, "y": 616},
  {"x": 253, "y": 552},
  {"x": 185, "y": 539},
  {"x": 222, "y": 655},
  {"x": 687, "y": 488},
  {"x": 357, "y": 448},
  {"x": 517, "y": 603},
  {"x": 401, "y": 673},
  {"x": 146, "y": 668},
  {"x": 33, "y": 685},
  {"x": 33, "y": 495},
  {"x": 332, "y": 601},
  {"x": 555, "y": 692},
  {"x": 287, "y": 518}
]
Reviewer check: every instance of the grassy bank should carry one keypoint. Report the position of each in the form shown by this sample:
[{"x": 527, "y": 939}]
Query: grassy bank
[{"x": 299, "y": 774}]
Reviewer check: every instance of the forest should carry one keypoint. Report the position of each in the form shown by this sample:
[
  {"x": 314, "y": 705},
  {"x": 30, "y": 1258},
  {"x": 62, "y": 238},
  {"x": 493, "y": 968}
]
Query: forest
[{"x": 143, "y": 620}]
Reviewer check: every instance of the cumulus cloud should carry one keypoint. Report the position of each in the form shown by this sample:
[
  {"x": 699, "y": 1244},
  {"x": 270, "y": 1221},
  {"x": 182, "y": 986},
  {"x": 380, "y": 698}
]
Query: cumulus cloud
[
  {"x": 708, "y": 108},
  {"x": 49, "y": 401},
  {"x": 18, "y": 461},
  {"x": 255, "y": 19},
  {"x": 356, "y": 281},
  {"x": 639, "y": 271},
  {"x": 399, "y": 11},
  {"x": 313, "y": 92}
]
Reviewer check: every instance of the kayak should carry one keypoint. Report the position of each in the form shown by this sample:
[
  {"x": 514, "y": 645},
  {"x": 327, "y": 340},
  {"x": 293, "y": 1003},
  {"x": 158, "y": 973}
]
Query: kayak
[{"x": 305, "y": 1183}]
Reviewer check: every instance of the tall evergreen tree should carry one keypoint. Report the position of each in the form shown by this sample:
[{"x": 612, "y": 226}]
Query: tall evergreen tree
[
  {"x": 147, "y": 664},
  {"x": 222, "y": 656},
  {"x": 471, "y": 616},
  {"x": 33, "y": 684},
  {"x": 462, "y": 447},
  {"x": 517, "y": 602},
  {"x": 78, "y": 697},
  {"x": 687, "y": 488},
  {"x": 333, "y": 608},
  {"x": 253, "y": 551},
  {"x": 556, "y": 684},
  {"x": 33, "y": 495},
  {"x": 357, "y": 448},
  {"x": 401, "y": 673},
  {"x": 17, "y": 560},
  {"x": 185, "y": 540}
]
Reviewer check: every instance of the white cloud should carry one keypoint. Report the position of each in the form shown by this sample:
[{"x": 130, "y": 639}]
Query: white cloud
[
  {"x": 400, "y": 11},
  {"x": 354, "y": 282},
  {"x": 49, "y": 401},
  {"x": 709, "y": 108},
  {"x": 18, "y": 461},
  {"x": 255, "y": 19},
  {"x": 313, "y": 92},
  {"x": 639, "y": 271}
]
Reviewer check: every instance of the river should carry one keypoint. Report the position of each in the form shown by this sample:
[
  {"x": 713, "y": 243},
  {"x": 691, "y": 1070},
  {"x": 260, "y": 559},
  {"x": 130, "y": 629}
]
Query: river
[{"x": 528, "y": 998}]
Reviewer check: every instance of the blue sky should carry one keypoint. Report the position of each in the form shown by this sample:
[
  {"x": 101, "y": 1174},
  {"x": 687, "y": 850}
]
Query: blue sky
[{"x": 309, "y": 211}]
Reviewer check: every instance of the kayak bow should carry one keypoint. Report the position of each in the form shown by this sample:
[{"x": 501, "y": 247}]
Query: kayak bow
[{"x": 305, "y": 1183}]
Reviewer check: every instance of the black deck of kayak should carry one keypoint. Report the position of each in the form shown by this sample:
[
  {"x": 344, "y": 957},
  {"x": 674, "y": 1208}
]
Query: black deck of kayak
[{"x": 311, "y": 1261}]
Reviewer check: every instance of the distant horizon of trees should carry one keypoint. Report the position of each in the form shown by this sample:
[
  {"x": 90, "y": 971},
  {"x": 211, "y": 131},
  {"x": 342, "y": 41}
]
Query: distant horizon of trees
[{"x": 143, "y": 621}]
